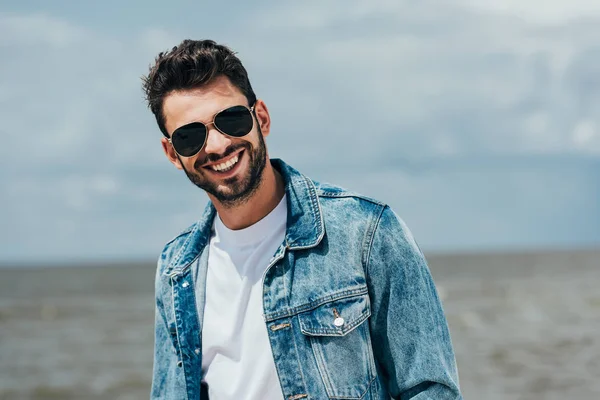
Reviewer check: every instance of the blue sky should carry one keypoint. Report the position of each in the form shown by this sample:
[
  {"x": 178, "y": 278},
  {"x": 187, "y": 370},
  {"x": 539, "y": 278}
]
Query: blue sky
[{"x": 478, "y": 122}]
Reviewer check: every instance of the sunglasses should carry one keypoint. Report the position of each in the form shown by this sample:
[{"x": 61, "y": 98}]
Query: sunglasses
[{"x": 236, "y": 121}]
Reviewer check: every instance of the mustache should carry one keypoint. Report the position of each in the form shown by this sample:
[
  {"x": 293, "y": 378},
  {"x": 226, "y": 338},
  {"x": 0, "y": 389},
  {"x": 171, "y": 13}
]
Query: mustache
[{"x": 213, "y": 157}]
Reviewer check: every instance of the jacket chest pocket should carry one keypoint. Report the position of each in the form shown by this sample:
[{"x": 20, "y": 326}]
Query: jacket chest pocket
[{"x": 338, "y": 332}]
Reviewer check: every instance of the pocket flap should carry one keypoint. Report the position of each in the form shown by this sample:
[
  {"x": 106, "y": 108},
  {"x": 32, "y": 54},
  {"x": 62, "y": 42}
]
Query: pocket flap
[{"x": 335, "y": 318}]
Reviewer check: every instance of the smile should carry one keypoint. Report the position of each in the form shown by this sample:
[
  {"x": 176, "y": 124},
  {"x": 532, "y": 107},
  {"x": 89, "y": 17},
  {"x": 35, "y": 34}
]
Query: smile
[{"x": 227, "y": 165}]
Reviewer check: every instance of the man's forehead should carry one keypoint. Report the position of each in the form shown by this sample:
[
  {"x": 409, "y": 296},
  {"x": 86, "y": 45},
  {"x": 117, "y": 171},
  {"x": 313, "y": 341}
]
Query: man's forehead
[
  {"x": 220, "y": 85},
  {"x": 217, "y": 90}
]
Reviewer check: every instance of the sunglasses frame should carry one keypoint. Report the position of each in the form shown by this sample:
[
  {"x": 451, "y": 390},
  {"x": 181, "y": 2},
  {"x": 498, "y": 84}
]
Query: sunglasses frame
[{"x": 250, "y": 109}]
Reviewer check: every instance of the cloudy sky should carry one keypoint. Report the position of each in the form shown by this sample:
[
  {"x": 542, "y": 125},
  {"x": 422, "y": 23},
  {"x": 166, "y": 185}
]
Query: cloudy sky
[{"x": 479, "y": 124}]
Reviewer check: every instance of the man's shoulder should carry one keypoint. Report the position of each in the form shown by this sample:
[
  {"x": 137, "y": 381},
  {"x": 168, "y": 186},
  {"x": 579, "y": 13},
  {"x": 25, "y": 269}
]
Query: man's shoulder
[
  {"x": 353, "y": 207},
  {"x": 331, "y": 191},
  {"x": 347, "y": 209}
]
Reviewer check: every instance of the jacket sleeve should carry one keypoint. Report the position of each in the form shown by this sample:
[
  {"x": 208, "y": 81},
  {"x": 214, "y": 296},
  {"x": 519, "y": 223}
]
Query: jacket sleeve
[
  {"x": 168, "y": 381},
  {"x": 411, "y": 341}
]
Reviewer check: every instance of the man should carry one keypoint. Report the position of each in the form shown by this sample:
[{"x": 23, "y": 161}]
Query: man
[{"x": 285, "y": 288}]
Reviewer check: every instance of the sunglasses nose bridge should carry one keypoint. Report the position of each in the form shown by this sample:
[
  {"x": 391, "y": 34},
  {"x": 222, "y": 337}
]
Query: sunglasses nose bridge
[{"x": 216, "y": 141}]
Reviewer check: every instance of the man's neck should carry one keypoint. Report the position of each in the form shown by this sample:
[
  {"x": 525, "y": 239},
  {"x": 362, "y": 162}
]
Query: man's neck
[{"x": 264, "y": 200}]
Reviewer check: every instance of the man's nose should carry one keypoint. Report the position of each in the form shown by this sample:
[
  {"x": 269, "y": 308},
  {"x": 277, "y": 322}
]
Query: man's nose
[{"x": 216, "y": 142}]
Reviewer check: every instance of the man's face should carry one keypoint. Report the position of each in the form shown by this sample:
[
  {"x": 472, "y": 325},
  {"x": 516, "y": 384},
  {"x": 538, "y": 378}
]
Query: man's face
[{"x": 233, "y": 186}]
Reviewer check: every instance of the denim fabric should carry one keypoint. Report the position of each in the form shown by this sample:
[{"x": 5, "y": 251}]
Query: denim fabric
[{"x": 349, "y": 304}]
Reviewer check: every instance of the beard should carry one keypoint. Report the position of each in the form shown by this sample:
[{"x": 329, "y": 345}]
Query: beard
[{"x": 239, "y": 188}]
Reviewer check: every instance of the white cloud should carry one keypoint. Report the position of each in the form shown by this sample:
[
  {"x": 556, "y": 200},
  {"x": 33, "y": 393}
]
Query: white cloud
[
  {"x": 155, "y": 40},
  {"x": 537, "y": 123},
  {"x": 586, "y": 137},
  {"x": 104, "y": 185},
  {"x": 539, "y": 11},
  {"x": 38, "y": 30}
]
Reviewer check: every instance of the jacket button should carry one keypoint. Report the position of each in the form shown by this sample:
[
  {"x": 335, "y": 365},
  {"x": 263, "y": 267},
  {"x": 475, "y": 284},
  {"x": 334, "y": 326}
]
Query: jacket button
[
  {"x": 339, "y": 321},
  {"x": 185, "y": 284},
  {"x": 180, "y": 363},
  {"x": 197, "y": 351}
]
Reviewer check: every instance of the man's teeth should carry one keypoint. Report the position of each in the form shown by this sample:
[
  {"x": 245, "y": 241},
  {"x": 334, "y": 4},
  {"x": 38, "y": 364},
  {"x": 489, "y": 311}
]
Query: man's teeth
[{"x": 226, "y": 166}]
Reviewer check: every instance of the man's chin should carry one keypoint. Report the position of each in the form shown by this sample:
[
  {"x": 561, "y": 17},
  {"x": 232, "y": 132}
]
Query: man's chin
[{"x": 238, "y": 193}]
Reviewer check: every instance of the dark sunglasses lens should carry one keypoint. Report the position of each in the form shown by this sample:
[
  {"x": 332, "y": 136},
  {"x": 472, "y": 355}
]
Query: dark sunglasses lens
[
  {"x": 189, "y": 139},
  {"x": 235, "y": 121}
]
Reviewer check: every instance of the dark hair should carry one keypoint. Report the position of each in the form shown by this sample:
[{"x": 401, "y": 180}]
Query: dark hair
[{"x": 192, "y": 64}]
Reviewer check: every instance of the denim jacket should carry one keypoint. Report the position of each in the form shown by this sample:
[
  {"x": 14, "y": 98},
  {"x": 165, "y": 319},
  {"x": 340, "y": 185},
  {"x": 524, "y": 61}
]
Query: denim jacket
[{"x": 349, "y": 304}]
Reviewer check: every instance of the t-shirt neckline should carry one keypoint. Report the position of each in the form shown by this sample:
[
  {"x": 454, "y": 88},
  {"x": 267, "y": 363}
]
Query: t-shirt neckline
[{"x": 255, "y": 232}]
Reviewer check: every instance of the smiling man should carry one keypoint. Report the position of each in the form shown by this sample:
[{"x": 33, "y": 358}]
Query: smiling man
[{"x": 285, "y": 288}]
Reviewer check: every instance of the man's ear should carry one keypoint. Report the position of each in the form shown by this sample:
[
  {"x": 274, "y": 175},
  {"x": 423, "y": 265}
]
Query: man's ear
[
  {"x": 170, "y": 153},
  {"x": 262, "y": 117}
]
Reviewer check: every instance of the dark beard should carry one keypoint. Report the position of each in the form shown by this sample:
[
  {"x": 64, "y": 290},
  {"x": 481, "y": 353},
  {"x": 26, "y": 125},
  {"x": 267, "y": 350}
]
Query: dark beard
[{"x": 243, "y": 189}]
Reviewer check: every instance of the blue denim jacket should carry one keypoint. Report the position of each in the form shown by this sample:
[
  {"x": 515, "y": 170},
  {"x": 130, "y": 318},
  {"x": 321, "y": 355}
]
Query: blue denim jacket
[{"x": 344, "y": 256}]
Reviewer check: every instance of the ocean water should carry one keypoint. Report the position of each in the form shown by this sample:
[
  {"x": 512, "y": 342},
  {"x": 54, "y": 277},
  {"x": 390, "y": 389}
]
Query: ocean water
[{"x": 524, "y": 326}]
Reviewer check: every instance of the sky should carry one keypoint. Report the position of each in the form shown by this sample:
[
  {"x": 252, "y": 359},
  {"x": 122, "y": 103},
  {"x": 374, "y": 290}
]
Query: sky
[{"x": 477, "y": 122}]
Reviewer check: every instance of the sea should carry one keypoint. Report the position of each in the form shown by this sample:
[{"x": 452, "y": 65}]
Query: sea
[{"x": 525, "y": 326}]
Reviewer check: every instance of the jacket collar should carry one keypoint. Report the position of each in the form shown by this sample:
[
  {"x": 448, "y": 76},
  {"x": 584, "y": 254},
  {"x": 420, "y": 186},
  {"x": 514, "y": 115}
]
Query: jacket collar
[{"x": 305, "y": 227}]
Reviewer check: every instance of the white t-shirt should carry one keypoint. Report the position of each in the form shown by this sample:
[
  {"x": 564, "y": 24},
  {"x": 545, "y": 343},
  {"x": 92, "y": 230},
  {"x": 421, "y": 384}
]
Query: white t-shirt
[{"x": 237, "y": 361}]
